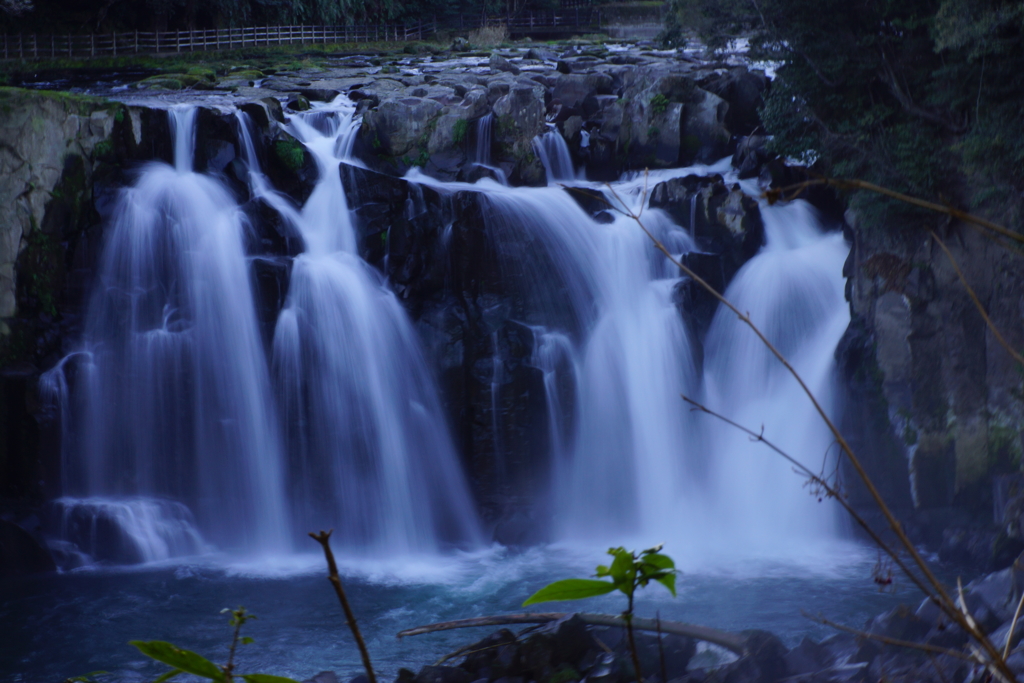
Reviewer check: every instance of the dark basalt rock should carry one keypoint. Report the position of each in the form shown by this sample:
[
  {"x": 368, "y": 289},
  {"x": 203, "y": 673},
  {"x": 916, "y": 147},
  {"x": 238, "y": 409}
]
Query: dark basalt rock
[{"x": 20, "y": 553}]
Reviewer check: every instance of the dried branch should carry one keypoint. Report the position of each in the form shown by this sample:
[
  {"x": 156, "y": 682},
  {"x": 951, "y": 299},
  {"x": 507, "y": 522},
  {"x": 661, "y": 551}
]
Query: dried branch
[
  {"x": 781, "y": 194},
  {"x": 924, "y": 647},
  {"x": 324, "y": 539},
  {"x": 977, "y": 302},
  {"x": 1013, "y": 626},
  {"x": 830, "y": 490}
]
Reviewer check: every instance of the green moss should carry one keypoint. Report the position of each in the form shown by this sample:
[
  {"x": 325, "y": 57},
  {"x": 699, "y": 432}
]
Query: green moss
[
  {"x": 104, "y": 148},
  {"x": 38, "y": 264},
  {"x": 565, "y": 674},
  {"x": 290, "y": 153},
  {"x": 659, "y": 104},
  {"x": 459, "y": 131},
  {"x": 203, "y": 72}
]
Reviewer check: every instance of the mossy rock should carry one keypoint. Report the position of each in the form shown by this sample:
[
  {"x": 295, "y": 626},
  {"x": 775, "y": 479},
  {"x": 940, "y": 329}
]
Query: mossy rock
[
  {"x": 290, "y": 153},
  {"x": 247, "y": 74},
  {"x": 203, "y": 72}
]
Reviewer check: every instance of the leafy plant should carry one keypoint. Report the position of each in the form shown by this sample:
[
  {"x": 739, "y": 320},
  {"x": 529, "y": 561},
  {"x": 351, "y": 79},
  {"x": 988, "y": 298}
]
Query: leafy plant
[
  {"x": 659, "y": 104},
  {"x": 185, "y": 661},
  {"x": 627, "y": 572}
]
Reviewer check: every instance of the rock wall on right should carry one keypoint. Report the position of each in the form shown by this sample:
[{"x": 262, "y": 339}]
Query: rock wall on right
[{"x": 934, "y": 400}]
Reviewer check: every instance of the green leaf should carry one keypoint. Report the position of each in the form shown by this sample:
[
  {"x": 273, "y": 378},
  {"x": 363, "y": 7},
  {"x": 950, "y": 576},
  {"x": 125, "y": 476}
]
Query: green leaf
[
  {"x": 570, "y": 589},
  {"x": 669, "y": 582},
  {"x": 266, "y": 678},
  {"x": 169, "y": 675},
  {"x": 659, "y": 561},
  {"x": 185, "y": 660},
  {"x": 621, "y": 565},
  {"x": 246, "y": 640}
]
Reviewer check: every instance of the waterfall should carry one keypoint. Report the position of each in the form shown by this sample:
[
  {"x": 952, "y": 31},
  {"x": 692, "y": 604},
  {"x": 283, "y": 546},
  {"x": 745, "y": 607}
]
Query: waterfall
[
  {"x": 172, "y": 391},
  {"x": 793, "y": 290},
  {"x": 481, "y": 155},
  {"x": 630, "y": 462},
  {"x": 128, "y": 531},
  {"x": 369, "y": 450},
  {"x": 554, "y": 155},
  {"x": 482, "y": 148}
]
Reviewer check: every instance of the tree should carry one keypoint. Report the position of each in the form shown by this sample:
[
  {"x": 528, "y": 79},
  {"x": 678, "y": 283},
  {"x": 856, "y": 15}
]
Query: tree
[{"x": 918, "y": 95}]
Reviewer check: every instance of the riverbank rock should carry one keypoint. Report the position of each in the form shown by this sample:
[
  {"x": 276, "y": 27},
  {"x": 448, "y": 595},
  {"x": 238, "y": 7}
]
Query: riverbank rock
[{"x": 727, "y": 227}]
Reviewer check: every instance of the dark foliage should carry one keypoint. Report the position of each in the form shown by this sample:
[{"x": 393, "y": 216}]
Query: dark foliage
[
  {"x": 919, "y": 95},
  {"x": 149, "y": 15}
]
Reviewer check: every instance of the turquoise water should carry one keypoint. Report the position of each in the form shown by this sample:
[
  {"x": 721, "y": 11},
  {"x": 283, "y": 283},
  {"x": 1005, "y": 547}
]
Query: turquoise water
[{"x": 73, "y": 623}]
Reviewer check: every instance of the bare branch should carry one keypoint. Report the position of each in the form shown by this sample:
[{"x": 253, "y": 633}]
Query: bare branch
[
  {"x": 780, "y": 194},
  {"x": 977, "y": 302},
  {"x": 324, "y": 539},
  {"x": 924, "y": 647}
]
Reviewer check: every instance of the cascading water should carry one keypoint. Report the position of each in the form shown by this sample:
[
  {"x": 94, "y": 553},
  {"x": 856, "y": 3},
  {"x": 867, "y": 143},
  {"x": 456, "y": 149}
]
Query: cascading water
[
  {"x": 172, "y": 392},
  {"x": 630, "y": 460},
  {"x": 481, "y": 153},
  {"x": 554, "y": 155},
  {"x": 369, "y": 452},
  {"x": 793, "y": 290}
]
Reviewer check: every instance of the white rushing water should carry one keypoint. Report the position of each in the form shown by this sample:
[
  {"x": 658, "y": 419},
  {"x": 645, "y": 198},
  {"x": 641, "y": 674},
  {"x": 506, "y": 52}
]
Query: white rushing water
[
  {"x": 173, "y": 407},
  {"x": 177, "y": 409},
  {"x": 369, "y": 450},
  {"x": 173, "y": 394},
  {"x": 631, "y": 462}
]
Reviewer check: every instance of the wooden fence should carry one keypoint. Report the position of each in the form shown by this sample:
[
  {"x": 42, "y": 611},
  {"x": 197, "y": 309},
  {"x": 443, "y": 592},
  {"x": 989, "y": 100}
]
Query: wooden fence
[{"x": 35, "y": 46}]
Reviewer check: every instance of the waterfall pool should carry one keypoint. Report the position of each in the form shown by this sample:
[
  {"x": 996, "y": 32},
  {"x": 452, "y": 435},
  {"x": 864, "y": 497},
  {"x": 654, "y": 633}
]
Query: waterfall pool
[{"x": 69, "y": 624}]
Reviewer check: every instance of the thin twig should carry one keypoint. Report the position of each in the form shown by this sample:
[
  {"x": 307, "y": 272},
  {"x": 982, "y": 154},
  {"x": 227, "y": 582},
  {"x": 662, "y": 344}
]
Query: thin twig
[
  {"x": 324, "y": 539},
  {"x": 1013, "y": 626},
  {"x": 846, "y": 184},
  {"x": 831, "y": 491},
  {"x": 924, "y": 647},
  {"x": 977, "y": 302}
]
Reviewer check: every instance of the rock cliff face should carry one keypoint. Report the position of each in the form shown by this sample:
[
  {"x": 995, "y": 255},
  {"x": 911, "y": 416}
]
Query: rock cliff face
[
  {"x": 926, "y": 370},
  {"x": 54, "y": 152}
]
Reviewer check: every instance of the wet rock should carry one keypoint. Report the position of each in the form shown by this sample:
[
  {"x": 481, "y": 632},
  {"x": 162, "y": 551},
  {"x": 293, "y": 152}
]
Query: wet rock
[
  {"x": 20, "y": 553},
  {"x": 442, "y": 674},
  {"x": 750, "y": 156},
  {"x": 324, "y": 677},
  {"x": 499, "y": 63},
  {"x": 398, "y": 125},
  {"x": 744, "y": 91},
  {"x": 808, "y": 657},
  {"x": 901, "y": 623}
]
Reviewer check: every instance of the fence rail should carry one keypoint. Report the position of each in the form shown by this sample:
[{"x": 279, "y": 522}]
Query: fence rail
[{"x": 51, "y": 46}]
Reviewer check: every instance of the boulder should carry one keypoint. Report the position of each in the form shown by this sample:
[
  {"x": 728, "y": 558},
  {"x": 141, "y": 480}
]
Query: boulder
[
  {"x": 400, "y": 124},
  {"x": 744, "y": 91},
  {"x": 499, "y": 63},
  {"x": 21, "y": 553}
]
